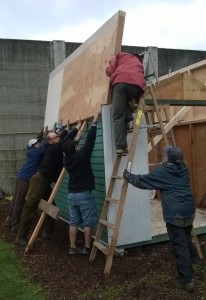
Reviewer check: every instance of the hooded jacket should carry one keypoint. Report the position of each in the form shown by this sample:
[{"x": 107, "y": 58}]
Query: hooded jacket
[
  {"x": 173, "y": 181},
  {"x": 126, "y": 68},
  {"x": 78, "y": 165},
  {"x": 52, "y": 164},
  {"x": 34, "y": 159}
]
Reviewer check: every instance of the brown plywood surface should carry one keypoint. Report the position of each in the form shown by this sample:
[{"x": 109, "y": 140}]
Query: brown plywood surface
[
  {"x": 85, "y": 85},
  {"x": 193, "y": 89},
  {"x": 197, "y": 70},
  {"x": 199, "y": 162},
  {"x": 181, "y": 86},
  {"x": 200, "y": 74},
  {"x": 192, "y": 139},
  {"x": 195, "y": 114},
  {"x": 170, "y": 88}
]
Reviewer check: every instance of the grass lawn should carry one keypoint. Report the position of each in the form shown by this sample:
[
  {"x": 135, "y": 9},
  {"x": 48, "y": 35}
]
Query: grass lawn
[{"x": 13, "y": 285}]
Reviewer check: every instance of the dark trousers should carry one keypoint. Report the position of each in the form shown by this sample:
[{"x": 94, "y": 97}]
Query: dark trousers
[
  {"x": 17, "y": 203},
  {"x": 184, "y": 251},
  {"x": 122, "y": 95},
  {"x": 39, "y": 188}
]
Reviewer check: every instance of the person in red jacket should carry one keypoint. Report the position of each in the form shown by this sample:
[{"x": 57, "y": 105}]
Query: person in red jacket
[{"x": 127, "y": 80}]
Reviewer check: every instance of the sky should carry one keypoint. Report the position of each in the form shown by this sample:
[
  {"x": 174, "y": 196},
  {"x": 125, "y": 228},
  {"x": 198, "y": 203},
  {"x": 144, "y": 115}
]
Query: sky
[{"x": 175, "y": 24}]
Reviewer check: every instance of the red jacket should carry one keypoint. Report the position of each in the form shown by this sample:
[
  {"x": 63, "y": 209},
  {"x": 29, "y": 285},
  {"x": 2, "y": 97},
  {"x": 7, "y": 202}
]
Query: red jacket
[{"x": 126, "y": 68}]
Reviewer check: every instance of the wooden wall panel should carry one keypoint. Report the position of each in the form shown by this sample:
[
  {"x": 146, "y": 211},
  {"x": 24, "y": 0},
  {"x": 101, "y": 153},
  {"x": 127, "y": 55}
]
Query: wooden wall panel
[
  {"x": 179, "y": 87},
  {"x": 193, "y": 89},
  {"x": 85, "y": 85},
  {"x": 199, "y": 161},
  {"x": 170, "y": 88},
  {"x": 197, "y": 70},
  {"x": 195, "y": 114},
  {"x": 200, "y": 74},
  {"x": 192, "y": 139}
]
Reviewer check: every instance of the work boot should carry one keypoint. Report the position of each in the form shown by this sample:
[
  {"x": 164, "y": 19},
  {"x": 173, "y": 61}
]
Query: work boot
[
  {"x": 14, "y": 229},
  {"x": 189, "y": 287},
  {"x": 21, "y": 242},
  {"x": 130, "y": 126},
  {"x": 74, "y": 251},
  {"x": 86, "y": 251},
  {"x": 47, "y": 235},
  {"x": 7, "y": 223},
  {"x": 122, "y": 151}
]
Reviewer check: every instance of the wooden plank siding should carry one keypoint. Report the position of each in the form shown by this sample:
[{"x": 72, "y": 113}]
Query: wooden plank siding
[
  {"x": 98, "y": 168},
  {"x": 191, "y": 138}
]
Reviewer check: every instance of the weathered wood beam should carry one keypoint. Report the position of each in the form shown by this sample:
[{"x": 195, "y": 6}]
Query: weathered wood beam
[
  {"x": 169, "y": 126},
  {"x": 49, "y": 209},
  {"x": 181, "y": 87}
]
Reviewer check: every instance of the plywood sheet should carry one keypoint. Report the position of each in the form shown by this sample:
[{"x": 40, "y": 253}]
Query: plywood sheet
[
  {"x": 192, "y": 139},
  {"x": 170, "y": 88},
  {"x": 193, "y": 89},
  {"x": 195, "y": 114},
  {"x": 85, "y": 86},
  {"x": 197, "y": 70},
  {"x": 181, "y": 86}
]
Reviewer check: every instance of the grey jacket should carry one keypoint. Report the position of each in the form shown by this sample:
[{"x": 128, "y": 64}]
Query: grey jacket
[{"x": 173, "y": 181}]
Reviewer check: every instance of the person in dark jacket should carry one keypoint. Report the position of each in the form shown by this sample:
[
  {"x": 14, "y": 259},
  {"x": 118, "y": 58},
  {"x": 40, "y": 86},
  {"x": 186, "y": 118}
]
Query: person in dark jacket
[
  {"x": 82, "y": 203},
  {"x": 40, "y": 183},
  {"x": 35, "y": 152},
  {"x": 178, "y": 206},
  {"x": 126, "y": 74}
]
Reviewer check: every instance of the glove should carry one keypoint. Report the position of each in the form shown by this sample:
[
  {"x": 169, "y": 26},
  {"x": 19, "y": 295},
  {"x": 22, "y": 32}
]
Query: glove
[
  {"x": 126, "y": 174},
  {"x": 59, "y": 125}
]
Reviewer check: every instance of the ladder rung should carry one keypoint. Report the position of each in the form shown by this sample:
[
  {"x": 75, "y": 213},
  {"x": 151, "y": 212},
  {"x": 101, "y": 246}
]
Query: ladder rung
[
  {"x": 101, "y": 247},
  {"x": 149, "y": 75},
  {"x": 118, "y": 177},
  {"x": 112, "y": 200},
  {"x": 151, "y": 108},
  {"x": 106, "y": 223},
  {"x": 155, "y": 126}
]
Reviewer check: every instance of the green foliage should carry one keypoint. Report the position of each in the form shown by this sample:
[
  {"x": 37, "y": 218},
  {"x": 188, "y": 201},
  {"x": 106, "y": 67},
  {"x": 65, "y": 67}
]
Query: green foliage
[{"x": 12, "y": 283}]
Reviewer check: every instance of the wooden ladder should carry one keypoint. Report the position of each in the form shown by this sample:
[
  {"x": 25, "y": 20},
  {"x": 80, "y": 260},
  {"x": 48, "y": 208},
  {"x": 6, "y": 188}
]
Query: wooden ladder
[
  {"x": 103, "y": 222},
  {"x": 109, "y": 250}
]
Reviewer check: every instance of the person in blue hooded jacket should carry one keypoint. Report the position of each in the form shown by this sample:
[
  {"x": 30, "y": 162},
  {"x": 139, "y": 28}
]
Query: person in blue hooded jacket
[
  {"x": 178, "y": 206},
  {"x": 35, "y": 152}
]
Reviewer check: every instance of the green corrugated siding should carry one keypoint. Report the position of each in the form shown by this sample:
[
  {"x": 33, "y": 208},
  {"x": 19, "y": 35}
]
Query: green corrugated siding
[{"x": 97, "y": 161}]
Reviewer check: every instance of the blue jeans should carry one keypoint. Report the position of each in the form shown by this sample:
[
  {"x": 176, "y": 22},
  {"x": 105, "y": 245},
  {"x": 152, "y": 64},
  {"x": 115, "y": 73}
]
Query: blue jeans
[
  {"x": 183, "y": 249},
  {"x": 82, "y": 208}
]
